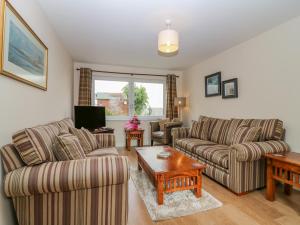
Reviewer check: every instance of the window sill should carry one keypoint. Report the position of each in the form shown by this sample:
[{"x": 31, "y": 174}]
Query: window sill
[{"x": 141, "y": 118}]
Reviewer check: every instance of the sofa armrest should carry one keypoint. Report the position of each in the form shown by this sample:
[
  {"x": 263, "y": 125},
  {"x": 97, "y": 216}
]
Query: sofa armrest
[
  {"x": 63, "y": 176},
  {"x": 179, "y": 132},
  {"x": 105, "y": 140},
  {"x": 251, "y": 151},
  {"x": 154, "y": 126}
]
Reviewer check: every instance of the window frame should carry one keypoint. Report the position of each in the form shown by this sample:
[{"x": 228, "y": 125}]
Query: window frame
[{"x": 131, "y": 80}]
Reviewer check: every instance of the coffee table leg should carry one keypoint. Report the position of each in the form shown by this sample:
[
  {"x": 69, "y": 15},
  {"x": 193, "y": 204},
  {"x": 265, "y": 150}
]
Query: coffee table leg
[
  {"x": 160, "y": 189},
  {"x": 198, "y": 189},
  {"x": 270, "y": 192}
]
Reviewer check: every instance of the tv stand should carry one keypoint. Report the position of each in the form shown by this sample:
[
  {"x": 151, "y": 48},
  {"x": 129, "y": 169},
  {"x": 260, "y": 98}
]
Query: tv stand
[{"x": 103, "y": 130}]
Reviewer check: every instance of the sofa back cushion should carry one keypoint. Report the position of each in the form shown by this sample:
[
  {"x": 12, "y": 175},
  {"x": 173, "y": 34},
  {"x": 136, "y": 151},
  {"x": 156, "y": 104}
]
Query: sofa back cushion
[
  {"x": 34, "y": 145},
  {"x": 68, "y": 147},
  {"x": 199, "y": 130},
  {"x": 221, "y": 131},
  {"x": 233, "y": 125},
  {"x": 246, "y": 134},
  {"x": 271, "y": 129},
  {"x": 66, "y": 124},
  {"x": 10, "y": 158},
  {"x": 218, "y": 129},
  {"x": 86, "y": 138}
]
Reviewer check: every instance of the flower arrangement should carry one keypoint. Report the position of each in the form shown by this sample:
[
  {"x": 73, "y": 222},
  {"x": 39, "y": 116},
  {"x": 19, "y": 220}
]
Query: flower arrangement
[{"x": 133, "y": 123}]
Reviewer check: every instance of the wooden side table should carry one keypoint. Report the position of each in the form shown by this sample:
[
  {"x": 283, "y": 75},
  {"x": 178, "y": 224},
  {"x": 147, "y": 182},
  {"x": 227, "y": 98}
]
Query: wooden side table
[
  {"x": 284, "y": 168},
  {"x": 134, "y": 135}
]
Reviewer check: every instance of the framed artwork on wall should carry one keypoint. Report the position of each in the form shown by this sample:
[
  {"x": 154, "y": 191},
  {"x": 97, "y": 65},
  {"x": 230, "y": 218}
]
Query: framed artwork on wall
[
  {"x": 24, "y": 57},
  {"x": 213, "y": 85},
  {"x": 230, "y": 88}
]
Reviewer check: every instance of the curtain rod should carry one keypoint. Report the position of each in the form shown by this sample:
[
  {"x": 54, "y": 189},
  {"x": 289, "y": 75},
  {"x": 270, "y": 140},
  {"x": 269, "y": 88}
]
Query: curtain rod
[{"x": 131, "y": 74}]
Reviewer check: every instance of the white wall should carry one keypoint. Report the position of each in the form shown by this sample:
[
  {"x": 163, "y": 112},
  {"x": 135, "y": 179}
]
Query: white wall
[
  {"x": 267, "y": 67},
  {"x": 24, "y": 106},
  {"x": 119, "y": 124}
]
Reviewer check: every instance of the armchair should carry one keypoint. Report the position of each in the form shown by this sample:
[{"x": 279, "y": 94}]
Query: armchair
[{"x": 162, "y": 134}]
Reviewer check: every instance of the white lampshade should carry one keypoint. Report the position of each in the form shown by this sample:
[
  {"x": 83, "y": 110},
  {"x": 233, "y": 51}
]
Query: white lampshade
[{"x": 168, "y": 40}]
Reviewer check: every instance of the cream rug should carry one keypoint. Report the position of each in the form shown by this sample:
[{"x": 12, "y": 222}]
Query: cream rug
[{"x": 176, "y": 204}]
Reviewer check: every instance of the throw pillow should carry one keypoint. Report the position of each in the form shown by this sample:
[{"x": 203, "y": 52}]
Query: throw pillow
[
  {"x": 200, "y": 130},
  {"x": 162, "y": 124},
  {"x": 34, "y": 145},
  {"x": 87, "y": 139},
  {"x": 67, "y": 147},
  {"x": 246, "y": 134}
]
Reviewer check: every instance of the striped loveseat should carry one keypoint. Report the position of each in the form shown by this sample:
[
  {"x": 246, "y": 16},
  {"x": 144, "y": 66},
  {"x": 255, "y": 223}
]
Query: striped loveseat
[
  {"x": 239, "y": 167},
  {"x": 89, "y": 191}
]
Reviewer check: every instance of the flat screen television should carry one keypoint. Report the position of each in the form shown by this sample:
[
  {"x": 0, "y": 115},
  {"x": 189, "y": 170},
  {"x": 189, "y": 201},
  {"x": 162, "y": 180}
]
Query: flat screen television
[{"x": 90, "y": 117}]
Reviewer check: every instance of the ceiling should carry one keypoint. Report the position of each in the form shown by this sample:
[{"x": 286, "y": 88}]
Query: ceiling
[{"x": 124, "y": 32}]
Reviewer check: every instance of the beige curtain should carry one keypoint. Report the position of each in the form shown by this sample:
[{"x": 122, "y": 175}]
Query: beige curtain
[
  {"x": 172, "y": 110},
  {"x": 85, "y": 87}
]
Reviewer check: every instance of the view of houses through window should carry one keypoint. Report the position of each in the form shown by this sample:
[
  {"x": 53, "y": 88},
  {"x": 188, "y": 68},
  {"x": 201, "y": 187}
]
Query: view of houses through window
[{"x": 130, "y": 97}]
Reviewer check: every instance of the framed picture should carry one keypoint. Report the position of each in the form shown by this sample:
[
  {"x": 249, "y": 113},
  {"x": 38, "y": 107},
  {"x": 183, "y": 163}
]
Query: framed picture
[
  {"x": 230, "y": 88},
  {"x": 213, "y": 85},
  {"x": 24, "y": 57}
]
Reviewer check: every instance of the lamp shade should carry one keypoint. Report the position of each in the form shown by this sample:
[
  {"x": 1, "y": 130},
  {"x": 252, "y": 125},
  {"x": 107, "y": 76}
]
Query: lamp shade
[
  {"x": 180, "y": 101},
  {"x": 168, "y": 40}
]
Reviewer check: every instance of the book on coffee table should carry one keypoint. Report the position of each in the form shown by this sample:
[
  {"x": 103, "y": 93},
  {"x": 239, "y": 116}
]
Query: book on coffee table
[{"x": 164, "y": 154}]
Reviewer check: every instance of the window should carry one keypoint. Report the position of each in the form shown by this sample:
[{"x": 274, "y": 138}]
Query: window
[
  {"x": 125, "y": 97},
  {"x": 111, "y": 95},
  {"x": 148, "y": 99}
]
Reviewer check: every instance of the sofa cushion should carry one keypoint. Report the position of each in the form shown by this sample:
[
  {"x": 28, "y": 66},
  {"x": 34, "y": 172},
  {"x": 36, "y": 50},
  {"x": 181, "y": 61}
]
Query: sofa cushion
[
  {"x": 217, "y": 154},
  {"x": 233, "y": 125},
  {"x": 65, "y": 124},
  {"x": 272, "y": 129},
  {"x": 158, "y": 134},
  {"x": 35, "y": 144},
  {"x": 189, "y": 144},
  {"x": 10, "y": 158},
  {"x": 200, "y": 129},
  {"x": 103, "y": 152},
  {"x": 87, "y": 139},
  {"x": 105, "y": 140},
  {"x": 218, "y": 129},
  {"x": 67, "y": 147},
  {"x": 246, "y": 134}
]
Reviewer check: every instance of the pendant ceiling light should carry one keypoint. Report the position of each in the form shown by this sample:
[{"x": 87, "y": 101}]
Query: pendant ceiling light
[{"x": 168, "y": 41}]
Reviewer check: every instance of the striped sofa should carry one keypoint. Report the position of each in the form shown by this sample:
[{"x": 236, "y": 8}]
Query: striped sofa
[
  {"x": 239, "y": 167},
  {"x": 89, "y": 191}
]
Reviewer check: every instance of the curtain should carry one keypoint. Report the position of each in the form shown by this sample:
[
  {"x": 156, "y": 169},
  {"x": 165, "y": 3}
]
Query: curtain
[
  {"x": 172, "y": 110},
  {"x": 85, "y": 87}
]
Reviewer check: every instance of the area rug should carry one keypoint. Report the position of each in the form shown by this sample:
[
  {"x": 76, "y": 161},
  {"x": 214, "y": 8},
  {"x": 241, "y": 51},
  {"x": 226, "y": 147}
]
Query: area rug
[{"x": 176, "y": 204}]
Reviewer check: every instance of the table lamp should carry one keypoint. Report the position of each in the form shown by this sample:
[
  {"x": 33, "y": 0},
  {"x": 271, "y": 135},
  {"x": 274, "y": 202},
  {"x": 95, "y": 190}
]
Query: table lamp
[{"x": 180, "y": 102}]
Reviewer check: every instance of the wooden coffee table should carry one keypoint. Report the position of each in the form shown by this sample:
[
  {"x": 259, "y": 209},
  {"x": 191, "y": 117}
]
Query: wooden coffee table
[{"x": 175, "y": 173}]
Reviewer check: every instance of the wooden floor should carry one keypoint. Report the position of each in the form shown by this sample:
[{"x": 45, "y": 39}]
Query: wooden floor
[{"x": 250, "y": 209}]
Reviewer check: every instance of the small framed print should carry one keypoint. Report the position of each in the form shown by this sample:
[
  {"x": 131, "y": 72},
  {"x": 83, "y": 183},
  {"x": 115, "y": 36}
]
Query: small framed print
[
  {"x": 230, "y": 88},
  {"x": 213, "y": 85}
]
